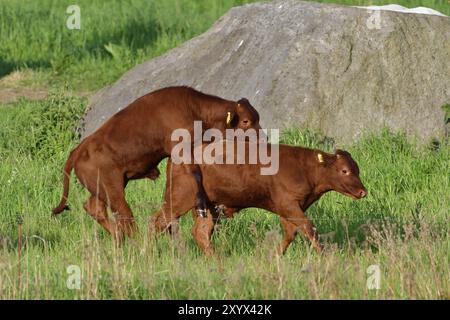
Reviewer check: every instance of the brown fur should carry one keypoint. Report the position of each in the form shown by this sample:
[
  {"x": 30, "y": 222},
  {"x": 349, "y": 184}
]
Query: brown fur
[
  {"x": 303, "y": 177},
  {"x": 131, "y": 144}
]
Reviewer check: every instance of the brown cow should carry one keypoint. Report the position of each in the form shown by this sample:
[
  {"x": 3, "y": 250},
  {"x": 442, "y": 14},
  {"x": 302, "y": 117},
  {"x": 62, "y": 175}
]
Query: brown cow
[
  {"x": 304, "y": 175},
  {"x": 132, "y": 142}
]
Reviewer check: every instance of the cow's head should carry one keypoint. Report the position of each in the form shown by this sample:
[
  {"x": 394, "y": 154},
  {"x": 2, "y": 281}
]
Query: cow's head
[
  {"x": 342, "y": 174},
  {"x": 244, "y": 116}
]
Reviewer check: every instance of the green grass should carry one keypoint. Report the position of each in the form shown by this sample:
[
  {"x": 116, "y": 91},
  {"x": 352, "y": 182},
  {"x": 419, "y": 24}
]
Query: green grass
[
  {"x": 402, "y": 226},
  {"x": 114, "y": 35}
]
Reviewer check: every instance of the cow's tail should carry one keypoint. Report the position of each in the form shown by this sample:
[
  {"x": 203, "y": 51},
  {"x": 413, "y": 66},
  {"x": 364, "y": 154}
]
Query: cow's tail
[{"x": 67, "y": 169}]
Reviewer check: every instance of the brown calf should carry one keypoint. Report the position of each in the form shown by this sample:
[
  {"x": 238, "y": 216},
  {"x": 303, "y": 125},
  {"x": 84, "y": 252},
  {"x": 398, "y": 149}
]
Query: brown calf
[
  {"x": 131, "y": 144},
  {"x": 304, "y": 175}
]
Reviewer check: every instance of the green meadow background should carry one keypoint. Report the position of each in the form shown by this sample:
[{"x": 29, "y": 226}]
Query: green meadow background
[
  {"x": 115, "y": 35},
  {"x": 402, "y": 226}
]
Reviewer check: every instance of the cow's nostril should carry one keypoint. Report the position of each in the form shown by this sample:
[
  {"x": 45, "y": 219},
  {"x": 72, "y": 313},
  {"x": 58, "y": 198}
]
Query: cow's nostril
[{"x": 363, "y": 193}]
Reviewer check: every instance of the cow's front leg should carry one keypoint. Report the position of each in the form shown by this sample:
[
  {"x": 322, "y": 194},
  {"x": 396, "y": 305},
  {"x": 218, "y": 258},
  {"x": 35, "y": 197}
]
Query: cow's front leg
[{"x": 294, "y": 219}]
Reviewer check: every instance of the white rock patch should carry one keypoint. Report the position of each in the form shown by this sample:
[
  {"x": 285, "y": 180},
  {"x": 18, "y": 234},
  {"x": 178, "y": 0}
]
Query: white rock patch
[{"x": 399, "y": 8}]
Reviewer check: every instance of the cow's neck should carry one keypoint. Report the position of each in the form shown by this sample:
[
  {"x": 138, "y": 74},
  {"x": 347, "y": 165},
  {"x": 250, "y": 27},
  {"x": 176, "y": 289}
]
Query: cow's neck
[
  {"x": 316, "y": 192},
  {"x": 214, "y": 115},
  {"x": 316, "y": 177}
]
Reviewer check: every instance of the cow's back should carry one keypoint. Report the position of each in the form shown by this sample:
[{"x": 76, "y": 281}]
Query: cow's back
[{"x": 235, "y": 184}]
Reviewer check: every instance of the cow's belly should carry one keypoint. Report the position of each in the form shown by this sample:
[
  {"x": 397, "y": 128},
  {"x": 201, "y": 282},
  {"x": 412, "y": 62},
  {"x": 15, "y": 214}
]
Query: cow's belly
[{"x": 142, "y": 166}]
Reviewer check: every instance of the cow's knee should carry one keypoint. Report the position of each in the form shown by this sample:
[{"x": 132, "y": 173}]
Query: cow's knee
[
  {"x": 96, "y": 208},
  {"x": 161, "y": 222}
]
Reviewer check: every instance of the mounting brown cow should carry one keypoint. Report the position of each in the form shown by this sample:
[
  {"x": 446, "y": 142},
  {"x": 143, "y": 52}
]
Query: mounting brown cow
[
  {"x": 304, "y": 175},
  {"x": 131, "y": 144}
]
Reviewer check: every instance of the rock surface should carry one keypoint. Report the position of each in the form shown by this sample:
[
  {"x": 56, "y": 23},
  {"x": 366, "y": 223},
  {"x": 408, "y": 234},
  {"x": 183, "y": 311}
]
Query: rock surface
[{"x": 336, "y": 69}]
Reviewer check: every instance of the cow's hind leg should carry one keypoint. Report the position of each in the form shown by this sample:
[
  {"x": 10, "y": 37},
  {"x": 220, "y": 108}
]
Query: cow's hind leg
[
  {"x": 108, "y": 186},
  {"x": 97, "y": 209},
  {"x": 180, "y": 196},
  {"x": 203, "y": 229},
  {"x": 123, "y": 215},
  {"x": 164, "y": 220}
]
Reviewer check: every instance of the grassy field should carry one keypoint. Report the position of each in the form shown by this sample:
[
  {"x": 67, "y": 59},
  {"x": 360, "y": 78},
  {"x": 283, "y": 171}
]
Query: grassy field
[
  {"x": 402, "y": 226},
  {"x": 114, "y": 36}
]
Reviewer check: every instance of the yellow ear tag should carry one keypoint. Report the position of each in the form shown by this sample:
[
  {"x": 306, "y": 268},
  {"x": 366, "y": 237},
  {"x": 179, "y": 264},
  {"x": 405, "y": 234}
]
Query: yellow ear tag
[
  {"x": 320, "y": 157},
  {"x": 228, "y": 117}
]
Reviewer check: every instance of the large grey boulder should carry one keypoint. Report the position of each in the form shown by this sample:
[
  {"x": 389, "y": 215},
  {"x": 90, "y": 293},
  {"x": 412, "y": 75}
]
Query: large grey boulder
[{"x": 336, "y": 69}]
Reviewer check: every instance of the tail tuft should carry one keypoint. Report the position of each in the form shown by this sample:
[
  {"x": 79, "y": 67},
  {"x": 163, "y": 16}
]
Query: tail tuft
[
  {"x": 67, "y": 169},
  {"x": 59, "y": 209}
]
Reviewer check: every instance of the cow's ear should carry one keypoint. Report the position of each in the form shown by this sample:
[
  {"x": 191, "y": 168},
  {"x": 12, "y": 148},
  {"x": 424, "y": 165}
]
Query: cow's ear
[
  {"x": 320, "y": 158},
  {"x": 243, "y": 102},
  {"x": 325, "y": 159},
  {"x": 230, "y": 119},
  {"x": 339, "y": 153}
]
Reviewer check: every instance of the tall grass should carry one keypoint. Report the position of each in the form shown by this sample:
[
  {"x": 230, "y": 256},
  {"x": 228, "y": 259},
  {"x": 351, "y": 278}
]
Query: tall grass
[
  {"x": 114, "y": 35},
  {"x": 402, "y": 226}
]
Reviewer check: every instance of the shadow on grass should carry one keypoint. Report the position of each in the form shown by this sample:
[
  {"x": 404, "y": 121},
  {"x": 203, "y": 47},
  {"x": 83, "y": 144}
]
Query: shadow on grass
[
  {"x": 6, "y": 67},
  {"x": 134, "y": 36},
  {"x": 240, "y": 235}
]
